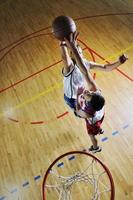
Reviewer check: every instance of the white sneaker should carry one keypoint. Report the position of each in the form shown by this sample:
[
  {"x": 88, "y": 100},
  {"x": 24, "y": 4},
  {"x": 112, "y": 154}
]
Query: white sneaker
[{"x": 95, "y": 150}]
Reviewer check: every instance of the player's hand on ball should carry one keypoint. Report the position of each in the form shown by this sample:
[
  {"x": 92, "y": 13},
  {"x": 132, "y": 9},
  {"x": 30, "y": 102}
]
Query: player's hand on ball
[{"x": 71, "y": 40}]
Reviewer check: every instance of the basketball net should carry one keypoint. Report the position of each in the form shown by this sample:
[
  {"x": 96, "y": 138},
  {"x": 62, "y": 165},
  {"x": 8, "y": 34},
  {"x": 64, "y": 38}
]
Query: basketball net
[{"x": 94, "y": 181}]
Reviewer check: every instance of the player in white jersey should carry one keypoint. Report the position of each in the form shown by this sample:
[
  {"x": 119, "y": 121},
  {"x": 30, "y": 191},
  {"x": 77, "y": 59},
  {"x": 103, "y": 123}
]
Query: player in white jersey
[{"x": 76, "y": 74}]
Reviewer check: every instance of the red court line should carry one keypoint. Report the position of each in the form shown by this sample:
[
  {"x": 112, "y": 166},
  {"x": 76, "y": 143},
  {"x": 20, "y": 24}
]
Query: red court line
[
  {"x": 21, "y": 42},
  {"x": 62, "y": 115},
  {"x": 102, "y": 15},
  {"x": 90, "y": 50},
  {"x": 123, "y": 73},
  {"x": 81, "y": 18},
  {"x": 120, "y": 71},
  {"x": 94, "y": 76},
  {"x": 36, "y": 73},
  {"x": 23, "y": 38},
  {"x": 13, "y": 120},
  {"x": 76, "y": 19},
  {"x": 39, "y": 122},
  {"x": 86, "y": 47}
]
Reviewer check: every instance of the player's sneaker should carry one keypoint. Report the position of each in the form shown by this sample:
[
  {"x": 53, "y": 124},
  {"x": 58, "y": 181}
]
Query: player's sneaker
[
  {"x": 95, "y": 150},
  {"x": 101, "y": 131}
]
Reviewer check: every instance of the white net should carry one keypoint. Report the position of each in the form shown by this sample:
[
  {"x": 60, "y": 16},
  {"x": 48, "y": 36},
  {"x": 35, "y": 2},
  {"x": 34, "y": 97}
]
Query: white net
[{"x": 82, "y": 178}]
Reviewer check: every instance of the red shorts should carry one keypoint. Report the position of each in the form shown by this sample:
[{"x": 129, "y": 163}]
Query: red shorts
[{"x": 93, "y": 129}]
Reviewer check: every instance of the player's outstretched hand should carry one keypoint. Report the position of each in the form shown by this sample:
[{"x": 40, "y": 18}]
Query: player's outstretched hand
[{"x": 123, "y": 58}]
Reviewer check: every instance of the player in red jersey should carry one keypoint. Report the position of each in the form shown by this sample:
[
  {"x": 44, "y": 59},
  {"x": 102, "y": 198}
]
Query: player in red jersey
[{"x": 86, "y": 101}]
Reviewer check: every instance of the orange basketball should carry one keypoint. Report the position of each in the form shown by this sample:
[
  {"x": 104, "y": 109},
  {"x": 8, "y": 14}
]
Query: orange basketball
[{"x": 62, "y": 26}]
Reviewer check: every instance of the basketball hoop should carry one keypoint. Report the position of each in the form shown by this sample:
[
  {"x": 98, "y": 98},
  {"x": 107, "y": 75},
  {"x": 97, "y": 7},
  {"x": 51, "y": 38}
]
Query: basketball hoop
[{"x": 78, "y": 175}]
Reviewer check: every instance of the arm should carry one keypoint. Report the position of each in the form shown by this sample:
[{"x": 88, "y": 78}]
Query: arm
[
  {"x": 79, "y": 111},
  {"x": 110, "y": 66},
  {"x": 89, "y": 79},
  {"x": 87, "y": 75},
  {"x": 82, "y": 114},
  {"x": 65, "y": 57}
]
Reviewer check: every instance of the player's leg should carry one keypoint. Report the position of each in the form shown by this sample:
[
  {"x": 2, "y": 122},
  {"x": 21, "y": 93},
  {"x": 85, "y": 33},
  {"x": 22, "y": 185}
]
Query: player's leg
[
  {"x": 92, "y": 132},
  {"x": 94, "y": 148},
  {"x": 93, "y": 140}
]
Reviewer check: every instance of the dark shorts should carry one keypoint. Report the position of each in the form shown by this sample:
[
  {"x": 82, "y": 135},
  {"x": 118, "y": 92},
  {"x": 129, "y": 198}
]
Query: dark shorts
[
  {"x": 70, "y": 102},
  {"x": 93, "y": 129}
]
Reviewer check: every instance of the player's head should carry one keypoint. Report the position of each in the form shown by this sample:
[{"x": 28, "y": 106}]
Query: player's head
[{"x": 94, "y": 99}]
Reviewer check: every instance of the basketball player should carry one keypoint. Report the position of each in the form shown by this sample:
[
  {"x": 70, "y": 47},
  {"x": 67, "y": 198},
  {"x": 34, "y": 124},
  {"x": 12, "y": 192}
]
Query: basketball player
[{"x": 86, "y": 101}]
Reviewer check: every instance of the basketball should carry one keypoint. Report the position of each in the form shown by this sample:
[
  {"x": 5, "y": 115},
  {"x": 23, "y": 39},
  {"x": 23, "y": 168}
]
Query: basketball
[{"x": 62, "y": 26}]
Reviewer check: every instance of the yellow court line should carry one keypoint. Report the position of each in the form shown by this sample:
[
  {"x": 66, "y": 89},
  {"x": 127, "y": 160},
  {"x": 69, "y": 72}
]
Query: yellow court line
[
  {"x": 117, "y": 54},
  {"x": 50, "y": 89},
  {"x": 59, "y": 84}
]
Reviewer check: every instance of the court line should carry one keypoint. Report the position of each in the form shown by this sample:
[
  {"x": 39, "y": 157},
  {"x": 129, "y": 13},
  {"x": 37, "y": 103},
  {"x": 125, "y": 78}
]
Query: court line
[
  {"x": 60, "y": 164},
  {"x": 91, "y": 52},
  {"x": 76, "y": 19},
  {"x": 125, "y": 126},
  {"x": 0, "y": 197},
  {"x": 110, "y": 57},
  {"x": 9, "y": 45},
  {"x": 38, "y": 96},
  {"x": 119, "y": 53},
  {"x": 30, "y": 76},
  {"x": 34, "y": 74},
  {"x": 21, "y": 42},
  {"x": 50, "y": 89},
  {"x": 81, "y": 18},
  {"x": 62, "y": 115},
  {"x": 37, "y": 177},
  {"x": 104, "y": 139},
  {"x": 26, "y": 183},
  {"x": 55, "y": 87},
  {"x": 13, "y": 120},
  {"x": 102, "y": 15},
  {"x": 115, "y": 133}
]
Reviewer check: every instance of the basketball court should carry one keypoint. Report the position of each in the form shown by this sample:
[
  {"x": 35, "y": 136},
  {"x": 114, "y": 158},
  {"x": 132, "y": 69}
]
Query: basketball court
[{"x": 36, "y": 124}]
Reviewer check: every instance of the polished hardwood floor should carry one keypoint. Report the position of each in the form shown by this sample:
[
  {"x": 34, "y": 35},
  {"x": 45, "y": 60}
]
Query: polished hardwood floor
[{"x": 36, "y": 125}]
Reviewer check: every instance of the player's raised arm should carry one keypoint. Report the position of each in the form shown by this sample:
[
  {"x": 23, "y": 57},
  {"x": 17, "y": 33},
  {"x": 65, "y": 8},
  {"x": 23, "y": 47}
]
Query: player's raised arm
[
  {"x": 110, "y": 66},
  {"x": 65, "y": 56},
  {"x": 71, "y": 43}
]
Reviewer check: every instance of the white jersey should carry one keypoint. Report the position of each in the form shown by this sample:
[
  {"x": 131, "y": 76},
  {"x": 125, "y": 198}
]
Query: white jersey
[
  {"x": 73, "y": 80},
  {"x": 97, "y": 117}
]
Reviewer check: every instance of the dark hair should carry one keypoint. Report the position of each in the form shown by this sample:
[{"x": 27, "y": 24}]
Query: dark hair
[{"x": 97, "y": 102}]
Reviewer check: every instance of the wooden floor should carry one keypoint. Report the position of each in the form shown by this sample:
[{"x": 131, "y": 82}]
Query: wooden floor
[{"x": 36, "y": 125}]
